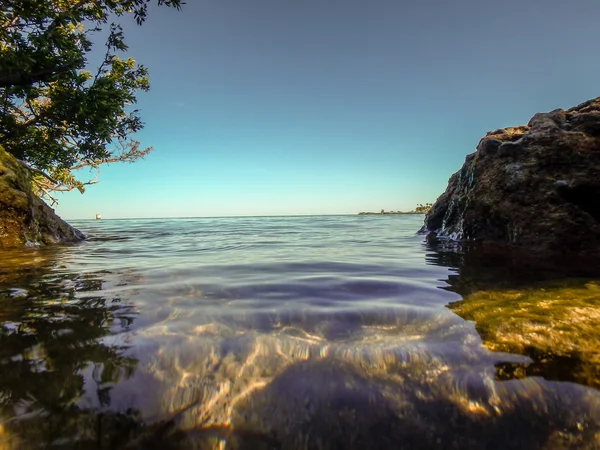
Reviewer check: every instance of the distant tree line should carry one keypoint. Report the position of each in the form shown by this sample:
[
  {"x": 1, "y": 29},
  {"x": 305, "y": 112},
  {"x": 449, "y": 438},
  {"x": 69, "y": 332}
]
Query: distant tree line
[
  {"x": 423, "y": 209},
  {"x": 420, "y": 209}
]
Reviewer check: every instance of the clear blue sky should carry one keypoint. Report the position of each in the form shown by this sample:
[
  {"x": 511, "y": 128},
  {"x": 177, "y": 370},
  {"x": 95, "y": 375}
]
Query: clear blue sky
[{"x": 265, "y": 107}]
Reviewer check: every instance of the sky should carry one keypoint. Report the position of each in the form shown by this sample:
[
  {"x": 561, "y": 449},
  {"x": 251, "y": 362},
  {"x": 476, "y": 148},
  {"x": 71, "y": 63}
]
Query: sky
[{"x": 290, "y": 107}]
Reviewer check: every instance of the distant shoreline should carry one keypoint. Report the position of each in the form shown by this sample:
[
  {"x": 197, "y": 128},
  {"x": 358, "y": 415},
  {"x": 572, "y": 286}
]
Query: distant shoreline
[
  {"x": 389, "y": 212},
  {"x": 106, "y": 219}
]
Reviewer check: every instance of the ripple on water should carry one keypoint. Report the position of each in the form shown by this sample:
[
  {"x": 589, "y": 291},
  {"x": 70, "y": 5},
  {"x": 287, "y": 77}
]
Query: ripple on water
[{"x": 302, "y": 332}]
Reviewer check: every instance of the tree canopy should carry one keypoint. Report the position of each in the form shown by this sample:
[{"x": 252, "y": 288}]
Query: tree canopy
[{"x": 58, "y": 115}]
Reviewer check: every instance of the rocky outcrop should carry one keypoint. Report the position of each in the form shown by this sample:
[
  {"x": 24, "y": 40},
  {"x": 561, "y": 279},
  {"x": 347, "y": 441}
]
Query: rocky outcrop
[
  {"x": 24, "y": 218},
  {"x": 536, "y": 187}
]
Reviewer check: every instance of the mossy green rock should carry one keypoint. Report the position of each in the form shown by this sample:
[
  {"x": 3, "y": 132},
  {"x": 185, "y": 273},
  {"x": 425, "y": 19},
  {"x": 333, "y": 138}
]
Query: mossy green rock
[
  {"x": 554, "y": 323},
  {"x": 535, "y": 187},
  {"x": 24, "y": 218}
]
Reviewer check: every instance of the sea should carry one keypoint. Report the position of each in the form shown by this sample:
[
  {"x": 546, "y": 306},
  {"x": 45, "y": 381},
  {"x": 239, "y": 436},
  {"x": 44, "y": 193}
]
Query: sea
[{"x": 305, "y": 332}]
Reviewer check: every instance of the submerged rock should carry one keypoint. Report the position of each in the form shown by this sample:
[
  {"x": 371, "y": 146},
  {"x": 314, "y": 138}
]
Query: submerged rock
[
  {"x": 554, "y": 323},
  {"x": 534, "y": 186},
  {"x": 546, "y": 309},
  {"x": 24, "y": 218}
]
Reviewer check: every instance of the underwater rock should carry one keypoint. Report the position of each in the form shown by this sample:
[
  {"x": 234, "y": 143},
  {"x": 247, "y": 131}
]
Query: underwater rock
[
  {"x": 546, "y": 309},
  {"x": 561, "y": 337},
  {"x": 535, "y": 187},
  {"x": 24, "y": 218}
]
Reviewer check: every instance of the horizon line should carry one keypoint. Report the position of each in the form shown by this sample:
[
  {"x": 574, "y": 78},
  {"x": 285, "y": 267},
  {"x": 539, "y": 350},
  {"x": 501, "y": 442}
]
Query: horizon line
[{"x": 233, "y": 217}]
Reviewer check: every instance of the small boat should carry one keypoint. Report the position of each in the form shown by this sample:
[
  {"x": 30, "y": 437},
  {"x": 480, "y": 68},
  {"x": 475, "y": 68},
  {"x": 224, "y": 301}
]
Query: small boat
[{"x": 98, "y": 217}]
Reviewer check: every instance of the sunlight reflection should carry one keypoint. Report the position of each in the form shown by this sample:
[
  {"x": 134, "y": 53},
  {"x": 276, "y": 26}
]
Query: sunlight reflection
[
  {"x": 252, "y": 382},
  {"x": 297, "y": 354}
]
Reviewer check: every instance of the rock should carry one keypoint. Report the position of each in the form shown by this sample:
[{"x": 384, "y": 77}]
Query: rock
[
  {"x": 546, "y": 309},
  {"x": 535, "y": 187},
  {"x": 24, "y": 218},
  {"x": 561, "y": 337}
]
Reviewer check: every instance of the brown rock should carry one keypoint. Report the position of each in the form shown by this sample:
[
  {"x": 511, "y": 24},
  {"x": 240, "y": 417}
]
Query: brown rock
[
  {"x": 24, "y": 218},
  {"x": 534, "y": 186}
]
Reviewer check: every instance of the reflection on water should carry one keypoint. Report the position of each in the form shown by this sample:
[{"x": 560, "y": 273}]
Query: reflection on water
[
  {"x": 321, "y": 332},
  {"x": 52, "y": 330},
  {"x": 489, "y": 268}
]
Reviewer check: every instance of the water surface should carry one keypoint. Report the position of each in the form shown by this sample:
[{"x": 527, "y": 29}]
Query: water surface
[{"x": 286, "y": 332}]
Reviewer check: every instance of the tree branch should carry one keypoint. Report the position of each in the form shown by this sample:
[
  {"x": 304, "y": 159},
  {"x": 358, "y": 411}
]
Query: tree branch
[
  {"x": 38, "y": 76},
  {"x": 44, "y": 174},
  {"x": 129, "y": 156}
]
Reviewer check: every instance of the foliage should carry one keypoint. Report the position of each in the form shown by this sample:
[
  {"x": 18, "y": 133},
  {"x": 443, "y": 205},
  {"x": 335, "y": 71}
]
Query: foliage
[{"x": 55, "y": 114}]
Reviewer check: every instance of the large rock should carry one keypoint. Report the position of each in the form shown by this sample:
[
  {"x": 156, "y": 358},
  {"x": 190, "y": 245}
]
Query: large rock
[
  {"x": 535, "y": 187},
  {"x": 24, "y": 218}
]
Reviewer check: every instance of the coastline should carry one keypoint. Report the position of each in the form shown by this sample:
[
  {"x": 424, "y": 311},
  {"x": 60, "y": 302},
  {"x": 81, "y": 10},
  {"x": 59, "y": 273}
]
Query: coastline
[{"x": 389, "y": 212}]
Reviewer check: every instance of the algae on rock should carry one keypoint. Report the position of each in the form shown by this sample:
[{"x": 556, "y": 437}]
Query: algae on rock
[
  {"x": 544, "y": 308},
  {"x": 554, "y": 323}
]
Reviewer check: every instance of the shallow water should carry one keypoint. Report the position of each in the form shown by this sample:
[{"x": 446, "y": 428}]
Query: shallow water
[{"x": 283, "y": 332}]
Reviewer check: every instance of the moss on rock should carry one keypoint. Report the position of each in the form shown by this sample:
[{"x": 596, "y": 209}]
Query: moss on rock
[
  {"x": 24, "y": 218},
  {"x": 554, "y": 323}
]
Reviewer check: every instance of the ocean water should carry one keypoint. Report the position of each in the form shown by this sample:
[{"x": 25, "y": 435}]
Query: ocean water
[{"x": 281, "y": 332}]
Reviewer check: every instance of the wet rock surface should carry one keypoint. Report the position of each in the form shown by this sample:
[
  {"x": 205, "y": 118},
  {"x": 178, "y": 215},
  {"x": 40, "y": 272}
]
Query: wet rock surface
[
  {"x": 534, "y": 186},
  {"x": 24, "y": 218}
]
